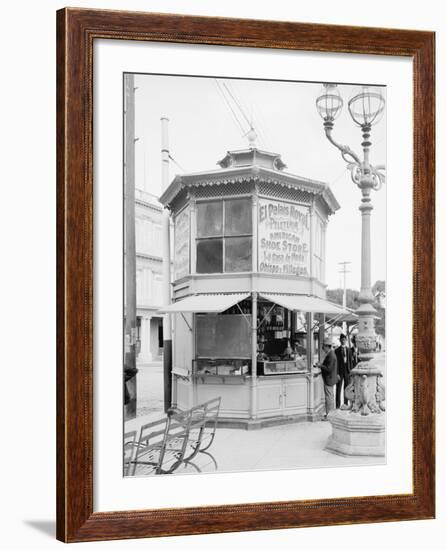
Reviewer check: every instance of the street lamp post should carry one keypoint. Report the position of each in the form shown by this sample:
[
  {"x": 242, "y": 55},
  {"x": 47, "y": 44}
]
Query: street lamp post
[
  {"x": 366, "y": 108},
  {"x": 359, "y": 427}
]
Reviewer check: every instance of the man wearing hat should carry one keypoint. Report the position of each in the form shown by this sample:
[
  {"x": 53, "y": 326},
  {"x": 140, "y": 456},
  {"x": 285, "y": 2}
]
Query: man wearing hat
[
  {"x": 345, "y": 362},
  {"x": 329, "y": 370}
]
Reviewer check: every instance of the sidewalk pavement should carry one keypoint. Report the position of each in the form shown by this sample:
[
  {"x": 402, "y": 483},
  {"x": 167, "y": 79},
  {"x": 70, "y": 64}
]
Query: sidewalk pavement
[{"x": 289, "y": 446}]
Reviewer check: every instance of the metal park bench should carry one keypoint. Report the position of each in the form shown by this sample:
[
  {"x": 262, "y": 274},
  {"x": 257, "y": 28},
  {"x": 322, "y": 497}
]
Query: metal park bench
[
  {"x": 167, "y": 444},
  {"x": 204, "y": 419},
  {"x": 129, "y": 445}
]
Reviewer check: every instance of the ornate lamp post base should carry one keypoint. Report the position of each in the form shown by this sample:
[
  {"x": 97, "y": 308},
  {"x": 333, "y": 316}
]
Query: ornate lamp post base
[
  {"x": 366, "y": 337},
  {"x": 359, "y": 428},
  {"x": 356, "y": 435}
]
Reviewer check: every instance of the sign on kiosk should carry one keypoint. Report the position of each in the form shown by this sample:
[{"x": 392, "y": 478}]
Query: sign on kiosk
[{"x": 284, "y": 238}]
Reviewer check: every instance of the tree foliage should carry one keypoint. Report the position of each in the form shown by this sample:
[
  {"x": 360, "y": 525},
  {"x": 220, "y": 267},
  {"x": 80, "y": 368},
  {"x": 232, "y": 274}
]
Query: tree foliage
[
  {"x": 380, "y": 322},
  {"x": 336, "y": 295},
  {"x": 379, "y": 286}
]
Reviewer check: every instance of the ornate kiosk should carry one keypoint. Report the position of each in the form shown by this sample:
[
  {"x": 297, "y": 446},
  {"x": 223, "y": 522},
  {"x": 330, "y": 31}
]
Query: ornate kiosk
[{"x": 248, "y": 298}]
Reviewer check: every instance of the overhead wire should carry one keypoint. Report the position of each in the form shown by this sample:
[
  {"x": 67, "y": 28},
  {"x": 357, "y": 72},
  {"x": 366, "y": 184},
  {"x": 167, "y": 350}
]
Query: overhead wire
[
  {"x": 344, "y": 170},
  {"x": 253, "y": 124},
  {"x": 234, "y": 99},
  {"x": 241, "y": 106},
  {"x": 263, "y": 127},
  {"x": 243, "y": 109},
  {"x": 237, "y": 99},
  {"x": 176, "y": 163},
  {"x": 229, "y": 106},
  {"x": 260, "y": 127}
]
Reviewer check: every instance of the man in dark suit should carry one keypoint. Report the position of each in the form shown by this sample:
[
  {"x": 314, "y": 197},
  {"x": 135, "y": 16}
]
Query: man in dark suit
[
  {"x": 329, "y": 375},
  {"x": 345, "y": 363}
]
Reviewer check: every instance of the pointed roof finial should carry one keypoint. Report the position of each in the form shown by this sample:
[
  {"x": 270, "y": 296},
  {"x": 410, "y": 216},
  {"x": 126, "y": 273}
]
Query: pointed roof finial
[{"x": 252, "y": 137}]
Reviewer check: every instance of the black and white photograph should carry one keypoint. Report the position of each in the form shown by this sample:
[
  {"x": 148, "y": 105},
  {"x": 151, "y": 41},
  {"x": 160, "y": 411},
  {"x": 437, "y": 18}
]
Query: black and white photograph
[
  {"x": 254, "y": 274},
  {"x": 222, "y": 283}
]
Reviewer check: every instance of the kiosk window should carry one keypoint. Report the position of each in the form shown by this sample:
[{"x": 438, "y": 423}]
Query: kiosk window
[
  {"x": 223, "y": 336},
  {"x": 210, "y": 256},
  {"x": 210, "y": 219},
  {"x": 238, "y": 217},
  {"x": 224, "y": 236},
  {"x": 238, "y": 254}
]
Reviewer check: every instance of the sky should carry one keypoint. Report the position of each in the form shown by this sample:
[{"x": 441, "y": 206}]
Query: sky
[{"x": 202, "y": 129}]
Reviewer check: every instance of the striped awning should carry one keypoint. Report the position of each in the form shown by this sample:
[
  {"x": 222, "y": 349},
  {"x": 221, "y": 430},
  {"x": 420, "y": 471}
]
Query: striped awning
[
  {"x": 205, "y": 303},
  {"x": 307, "y": 304}
]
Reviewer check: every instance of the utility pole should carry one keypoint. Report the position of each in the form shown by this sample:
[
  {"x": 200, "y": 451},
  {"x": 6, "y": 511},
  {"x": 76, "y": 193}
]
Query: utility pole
[
  {"x": 130, "y": 369},
  {"x": 344, "y": 295},
  {"x": 167, "y": 327}
]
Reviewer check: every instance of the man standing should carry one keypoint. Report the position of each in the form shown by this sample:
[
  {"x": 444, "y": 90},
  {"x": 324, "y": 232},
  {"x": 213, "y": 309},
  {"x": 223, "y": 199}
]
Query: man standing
[
  {"x": 344, "y": 358},
  {"x": 329, "y": 375}
]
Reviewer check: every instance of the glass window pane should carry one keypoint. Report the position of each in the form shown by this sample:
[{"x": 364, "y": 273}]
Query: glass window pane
[
  {"x": 238, "y": 217},
  {"x": 238, "y": 254},
  {"x": 223, "y": 336},
  {"x": 210, "y": 256},
  {"x": 210, "y": 219}
]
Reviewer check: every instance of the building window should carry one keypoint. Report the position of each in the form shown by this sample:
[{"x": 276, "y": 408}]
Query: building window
[{"x": 224, "y": 236}]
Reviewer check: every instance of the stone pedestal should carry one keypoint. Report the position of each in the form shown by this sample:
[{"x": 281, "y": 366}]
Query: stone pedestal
[
  {"x": 356, "y": 435},
  {"x": 359, "y": 427}
]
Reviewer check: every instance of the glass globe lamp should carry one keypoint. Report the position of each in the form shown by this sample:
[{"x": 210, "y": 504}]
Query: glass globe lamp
[
  {"x": 366, "y": 107},
  {"x": 329, "y": 103}
]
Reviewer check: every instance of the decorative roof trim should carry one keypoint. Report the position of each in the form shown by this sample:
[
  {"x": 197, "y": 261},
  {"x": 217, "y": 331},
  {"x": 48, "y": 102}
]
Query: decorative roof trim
[{"x": 250, "y": 174}]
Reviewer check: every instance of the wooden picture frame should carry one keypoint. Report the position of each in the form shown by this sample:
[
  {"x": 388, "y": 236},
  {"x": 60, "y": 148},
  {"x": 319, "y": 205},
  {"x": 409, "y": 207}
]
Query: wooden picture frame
[{"x": 77, "y": 29}]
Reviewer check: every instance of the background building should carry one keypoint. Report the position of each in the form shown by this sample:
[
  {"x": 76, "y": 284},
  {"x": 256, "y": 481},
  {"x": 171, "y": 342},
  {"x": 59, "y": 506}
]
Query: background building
[{"x": 148, "y": 276}]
